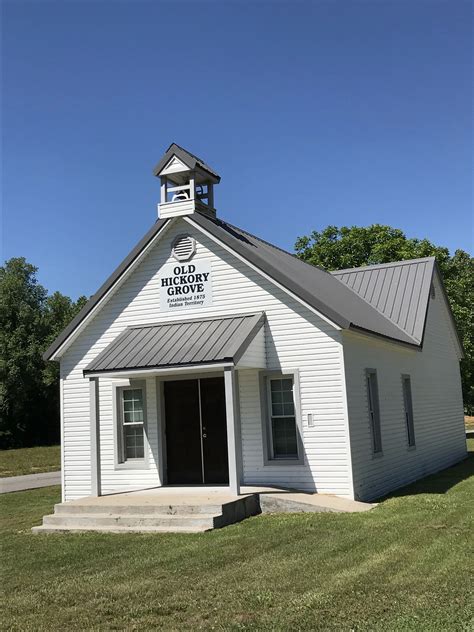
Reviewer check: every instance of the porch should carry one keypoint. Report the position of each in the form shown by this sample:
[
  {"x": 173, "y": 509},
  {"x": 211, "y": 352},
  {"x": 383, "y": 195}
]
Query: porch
[
  {"x": 185, "y": 509},
  {"x": 193, "y": 369}
]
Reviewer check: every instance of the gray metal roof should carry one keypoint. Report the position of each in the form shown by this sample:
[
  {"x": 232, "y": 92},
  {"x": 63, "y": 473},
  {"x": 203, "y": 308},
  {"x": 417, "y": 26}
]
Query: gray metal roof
[
  {"x": 187, "y": 157},
  {"x": 330, "y": 294},
  {"x": 189, "y": 342},
  {"x": 316, "y": 287},
  {"x": 400, "y": 291}
]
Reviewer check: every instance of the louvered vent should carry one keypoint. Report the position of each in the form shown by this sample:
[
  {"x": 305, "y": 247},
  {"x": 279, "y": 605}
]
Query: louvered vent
[{"x": 184, "y": 247}]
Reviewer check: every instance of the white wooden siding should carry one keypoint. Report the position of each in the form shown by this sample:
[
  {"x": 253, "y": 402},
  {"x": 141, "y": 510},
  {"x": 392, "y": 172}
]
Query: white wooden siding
[
  {"x": 296, "y": 338},
  {"x": 255, "y": 356},
  {"x": 437, "y": 405}
]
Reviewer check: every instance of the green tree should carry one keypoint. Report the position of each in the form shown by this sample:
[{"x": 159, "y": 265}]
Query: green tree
[
  {"x": 29, "y": 321},
  {"x": 352, "y": 246}
]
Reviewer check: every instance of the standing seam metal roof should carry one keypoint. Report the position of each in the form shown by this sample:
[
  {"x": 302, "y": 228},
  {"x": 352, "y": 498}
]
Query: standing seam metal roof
[
  {"x": 318, "y": 288},
  {"x": 400, "y": 291},
  {"x": 174, "y": 344}
]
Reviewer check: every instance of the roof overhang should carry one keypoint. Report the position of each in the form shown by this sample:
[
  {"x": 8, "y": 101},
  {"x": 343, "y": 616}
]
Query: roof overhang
[{"x": 174, "y": 346}]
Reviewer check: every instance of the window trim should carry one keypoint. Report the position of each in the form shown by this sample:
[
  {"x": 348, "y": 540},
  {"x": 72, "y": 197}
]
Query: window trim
[
  {"x": 374, "y": 402},
  {"x": 131, "y": 464},
  {"x": 405, "y": 377},
  {"x": 264, "y": 379}
]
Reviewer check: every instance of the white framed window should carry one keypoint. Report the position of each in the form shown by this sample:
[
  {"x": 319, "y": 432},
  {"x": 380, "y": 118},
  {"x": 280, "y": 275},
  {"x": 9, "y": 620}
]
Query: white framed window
[
  {"x": 131, "y": 423},
  {"x": 281, "y": 419},
  {"x": 374, "y": 410},
  {"x": 408, "y": 410}
]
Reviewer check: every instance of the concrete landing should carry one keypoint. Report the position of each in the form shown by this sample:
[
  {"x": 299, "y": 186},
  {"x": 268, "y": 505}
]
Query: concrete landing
[{"x": 296, "y": 502}]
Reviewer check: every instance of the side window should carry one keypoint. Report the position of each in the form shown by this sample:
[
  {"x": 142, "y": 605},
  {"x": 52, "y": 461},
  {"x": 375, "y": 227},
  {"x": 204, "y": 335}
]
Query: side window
[
  {"x": 408, "y": 409},
  {"x": 374, "y": 410},
  {"x": 131, "y": 423},
  {"x": 281, "y": 404}
]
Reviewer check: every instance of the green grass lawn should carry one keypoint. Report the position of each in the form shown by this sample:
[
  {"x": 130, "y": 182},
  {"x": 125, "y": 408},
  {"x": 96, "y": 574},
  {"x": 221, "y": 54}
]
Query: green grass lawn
[
  {"x": 30, "y": 460},
  {"x": 406, "y": 565}
]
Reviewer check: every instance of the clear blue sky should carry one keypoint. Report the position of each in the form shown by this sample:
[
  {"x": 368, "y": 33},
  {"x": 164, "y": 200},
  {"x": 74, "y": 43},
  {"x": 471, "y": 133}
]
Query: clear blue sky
[{"x": 313, "y": 113}]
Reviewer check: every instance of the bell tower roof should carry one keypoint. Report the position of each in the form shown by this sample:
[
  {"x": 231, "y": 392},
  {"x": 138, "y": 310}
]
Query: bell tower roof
[{"x": 177, "y": 159}]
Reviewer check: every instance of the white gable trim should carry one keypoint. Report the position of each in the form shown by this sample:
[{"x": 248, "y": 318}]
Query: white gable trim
[
  {"x": 113, "y": 288},
  {"x": 263, "y": 274},
  {"x": 175, "y": 165}
]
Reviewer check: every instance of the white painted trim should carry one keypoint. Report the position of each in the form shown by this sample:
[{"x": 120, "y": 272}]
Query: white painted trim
[
  {"x": 136, "y": 373},
  {"x": 120, "y": 463},
  {"x": 61, "y": 417},
  {"x": 266, "y": 416},
  {"x": 346, "y": 418},
  {"x": 232, "y": 419},
  {"x": 70, "y": 339},
  {"x": 95, "y": 437},
  {"x": 266, "y": 276}
]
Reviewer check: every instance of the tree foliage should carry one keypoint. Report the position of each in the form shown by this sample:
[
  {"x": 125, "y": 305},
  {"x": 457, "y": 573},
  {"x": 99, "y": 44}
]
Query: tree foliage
[
  {"x": 349, "y": 247},
  {"x": 29, "y": 321}
]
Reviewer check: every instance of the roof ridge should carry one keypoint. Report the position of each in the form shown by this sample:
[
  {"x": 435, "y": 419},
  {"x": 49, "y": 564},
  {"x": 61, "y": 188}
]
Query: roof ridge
[
  {"x": 376, "y": 266},
  {"x": 267, "y": 243}
]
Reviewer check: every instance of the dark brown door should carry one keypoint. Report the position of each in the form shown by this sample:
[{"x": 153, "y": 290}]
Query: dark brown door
[
  {"x": 196, "y": 434},
  {"x": 214, "y": 431},
  {"x": 183, "y": 432}
]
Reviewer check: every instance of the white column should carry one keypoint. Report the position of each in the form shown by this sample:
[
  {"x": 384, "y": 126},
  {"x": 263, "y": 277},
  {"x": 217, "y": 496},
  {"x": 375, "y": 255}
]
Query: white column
[
  {"x": 164, "y": 186},
  {"x": 210, "y": 195},
  {"x": 232, "y": 417},
  {"x": 95, "y": 436},
  {"x": 192, "y": 185}
]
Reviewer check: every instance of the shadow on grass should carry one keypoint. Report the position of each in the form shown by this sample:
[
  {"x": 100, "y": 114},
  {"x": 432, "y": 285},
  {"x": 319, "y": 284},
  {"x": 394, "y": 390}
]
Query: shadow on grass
[{"x": 438, "y": 483}]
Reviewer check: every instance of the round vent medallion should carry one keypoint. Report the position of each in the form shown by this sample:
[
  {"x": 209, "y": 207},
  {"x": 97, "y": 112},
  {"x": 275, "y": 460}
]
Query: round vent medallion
[{"x": 183, "y": 247}]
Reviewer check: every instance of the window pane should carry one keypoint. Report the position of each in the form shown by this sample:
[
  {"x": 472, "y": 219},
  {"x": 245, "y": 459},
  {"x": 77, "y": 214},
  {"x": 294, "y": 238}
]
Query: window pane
[
  {"x": 374, "y": 413},
  {"x": 284, "y": 438},
  {"x": 275, "y": 385},
  {"x": 288, "y": 409},
  {"x": 134, "y": 445},
  {"x": 281, "y": 395},
  {"x": 133, "y": 405},
  {"x": 277, "y": 397},
  {"x": 277, "y": 409},
  {"x": 408, "y": 411}
]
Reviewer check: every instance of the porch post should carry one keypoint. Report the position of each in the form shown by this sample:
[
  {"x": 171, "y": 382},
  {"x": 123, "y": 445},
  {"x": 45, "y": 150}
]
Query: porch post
[
  {"x": 233, "y": 443},
  {"x": 95, "y": 436}
]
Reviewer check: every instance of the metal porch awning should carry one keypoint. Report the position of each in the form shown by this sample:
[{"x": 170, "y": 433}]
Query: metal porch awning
[{"x": 179, "y": 344}]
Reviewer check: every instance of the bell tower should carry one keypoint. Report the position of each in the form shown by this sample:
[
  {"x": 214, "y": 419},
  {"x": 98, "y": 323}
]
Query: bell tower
[{"x": 187, "y": 184}]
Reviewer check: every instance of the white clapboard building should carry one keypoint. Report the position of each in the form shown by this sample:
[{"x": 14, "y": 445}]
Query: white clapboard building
[{"x": 211, "y": 357}]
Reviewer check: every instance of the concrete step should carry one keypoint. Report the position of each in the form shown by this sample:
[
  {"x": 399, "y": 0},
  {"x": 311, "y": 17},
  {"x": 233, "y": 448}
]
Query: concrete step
[
  {"x": 149, "y": 514},
  {"x": 206, "y": 521},
  {"x": 135, "y": 509},
  {"x": 116, "y": 529}
]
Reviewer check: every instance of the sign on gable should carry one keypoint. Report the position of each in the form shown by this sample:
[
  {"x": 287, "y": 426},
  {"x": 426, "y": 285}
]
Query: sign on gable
[{"x": 185, "y": 285}]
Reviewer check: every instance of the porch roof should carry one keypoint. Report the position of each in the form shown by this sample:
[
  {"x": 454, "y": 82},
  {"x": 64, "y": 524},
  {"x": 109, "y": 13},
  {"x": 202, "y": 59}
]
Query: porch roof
[{"x": 185, "y": 343}]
